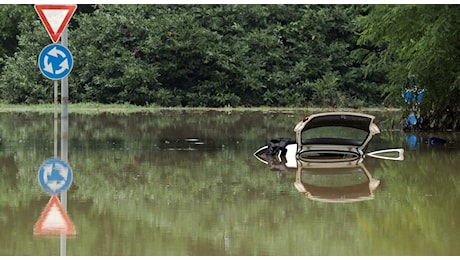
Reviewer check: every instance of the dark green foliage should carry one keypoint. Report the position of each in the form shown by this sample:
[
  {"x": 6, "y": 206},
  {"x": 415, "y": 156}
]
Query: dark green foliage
[
  {"x": 11, "y": 16},
  {"x": 202, "y": 55},
  {"x": 421, "y": 40}
]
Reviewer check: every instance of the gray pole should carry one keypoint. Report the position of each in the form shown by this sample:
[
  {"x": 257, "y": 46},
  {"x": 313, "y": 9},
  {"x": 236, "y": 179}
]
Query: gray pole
[
  {"x": 64, "y": 105},
  {"x": 55, "y": 118},
  {"x": 64, "y": 133}
]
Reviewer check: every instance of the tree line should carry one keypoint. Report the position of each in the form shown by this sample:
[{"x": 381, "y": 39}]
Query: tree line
[{"x": 242, "y": 55}]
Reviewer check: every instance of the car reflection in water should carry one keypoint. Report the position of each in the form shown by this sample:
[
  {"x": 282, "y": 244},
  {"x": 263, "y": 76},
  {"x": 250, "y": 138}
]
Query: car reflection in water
[
  {"x": 337, "y": 182},
  {"x": 327, "y": 181}
]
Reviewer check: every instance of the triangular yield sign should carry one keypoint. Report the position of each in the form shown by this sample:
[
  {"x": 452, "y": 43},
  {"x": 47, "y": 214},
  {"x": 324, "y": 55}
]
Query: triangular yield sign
[
  {"x": 54, "y": 220},
  {"x": 55, "y": 18}
]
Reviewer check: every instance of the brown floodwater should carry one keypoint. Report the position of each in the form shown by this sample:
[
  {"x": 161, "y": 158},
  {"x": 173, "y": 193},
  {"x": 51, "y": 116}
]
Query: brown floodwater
[{"x": 186, "y": 183}]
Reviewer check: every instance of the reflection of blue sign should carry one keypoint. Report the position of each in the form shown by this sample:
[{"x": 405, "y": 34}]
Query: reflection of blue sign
[
  {"x": 55, "y": 61},
  {"x": 54, "y": 176},
  {"x": 412, "y": 140}
]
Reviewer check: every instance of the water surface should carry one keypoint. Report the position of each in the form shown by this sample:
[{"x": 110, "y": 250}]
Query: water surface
[{"x": 187, "y": 183}]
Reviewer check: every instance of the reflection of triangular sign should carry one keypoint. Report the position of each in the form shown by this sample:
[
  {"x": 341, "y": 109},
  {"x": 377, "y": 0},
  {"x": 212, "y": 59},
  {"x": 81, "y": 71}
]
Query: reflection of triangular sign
[
  {"x": 55, "y": 18},
  {"x": 54, "y": 220}
]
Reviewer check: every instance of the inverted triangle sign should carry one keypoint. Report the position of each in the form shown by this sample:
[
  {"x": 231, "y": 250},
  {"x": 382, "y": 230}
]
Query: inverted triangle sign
[
  {"x": 54, "y": 220},
  {"x": 55, "y": 18}
]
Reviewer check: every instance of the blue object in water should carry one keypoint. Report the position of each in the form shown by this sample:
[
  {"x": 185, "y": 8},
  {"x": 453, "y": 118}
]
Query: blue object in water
[
  {"x": 411, "y": 140},
  {"x": 436, "y": 141},
  {"x": 413, "y": 120}
]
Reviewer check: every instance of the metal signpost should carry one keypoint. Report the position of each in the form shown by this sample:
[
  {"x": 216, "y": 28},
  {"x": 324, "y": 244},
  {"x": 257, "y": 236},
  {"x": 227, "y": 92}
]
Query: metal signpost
[{"x": 55, "y": 62}]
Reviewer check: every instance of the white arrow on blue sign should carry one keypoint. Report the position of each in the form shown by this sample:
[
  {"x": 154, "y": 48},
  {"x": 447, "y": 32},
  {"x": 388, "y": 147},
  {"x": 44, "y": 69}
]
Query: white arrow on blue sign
[
  {"x": 54, "y": 176},
  {"x": 55, "y": 61}
]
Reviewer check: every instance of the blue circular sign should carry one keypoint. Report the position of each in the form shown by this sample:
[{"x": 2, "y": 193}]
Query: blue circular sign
[
  {"x": 54, "y": 176},
  {"x": 55, "y": 61}
]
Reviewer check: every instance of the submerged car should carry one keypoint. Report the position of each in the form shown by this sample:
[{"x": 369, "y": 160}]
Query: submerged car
[{"x": 328, "y": 137}]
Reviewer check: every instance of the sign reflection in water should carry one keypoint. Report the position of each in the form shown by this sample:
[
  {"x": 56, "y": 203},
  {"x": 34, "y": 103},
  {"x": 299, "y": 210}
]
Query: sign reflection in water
[{"x": 54, "y": 220}]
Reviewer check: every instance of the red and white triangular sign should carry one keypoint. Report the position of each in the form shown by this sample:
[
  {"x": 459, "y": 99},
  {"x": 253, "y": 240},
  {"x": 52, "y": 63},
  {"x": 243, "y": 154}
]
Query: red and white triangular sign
[
  {"x": 55, "y": 18},
  {"x": 54, "y": 220}
]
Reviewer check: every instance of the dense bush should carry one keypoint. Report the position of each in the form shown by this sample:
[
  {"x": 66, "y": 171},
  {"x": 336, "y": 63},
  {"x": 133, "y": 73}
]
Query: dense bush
[
  {"x": 201, "y": 55},
  {"x": 420, "y": 40}
]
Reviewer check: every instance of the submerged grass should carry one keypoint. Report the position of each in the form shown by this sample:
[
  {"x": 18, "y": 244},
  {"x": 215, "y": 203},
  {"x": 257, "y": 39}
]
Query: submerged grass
[{"x": 94, "y": 108}]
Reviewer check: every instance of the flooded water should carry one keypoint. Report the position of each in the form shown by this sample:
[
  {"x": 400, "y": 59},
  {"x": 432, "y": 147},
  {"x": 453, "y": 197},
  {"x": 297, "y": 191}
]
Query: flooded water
[{"x": 187, "y": 183}]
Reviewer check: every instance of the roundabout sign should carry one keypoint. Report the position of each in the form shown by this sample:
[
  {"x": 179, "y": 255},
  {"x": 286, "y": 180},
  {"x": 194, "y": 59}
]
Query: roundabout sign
[{"x": 55, "y": 61}]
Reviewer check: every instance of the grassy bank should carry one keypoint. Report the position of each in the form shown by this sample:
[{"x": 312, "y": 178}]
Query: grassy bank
[{"x": 126, "y": 108}]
